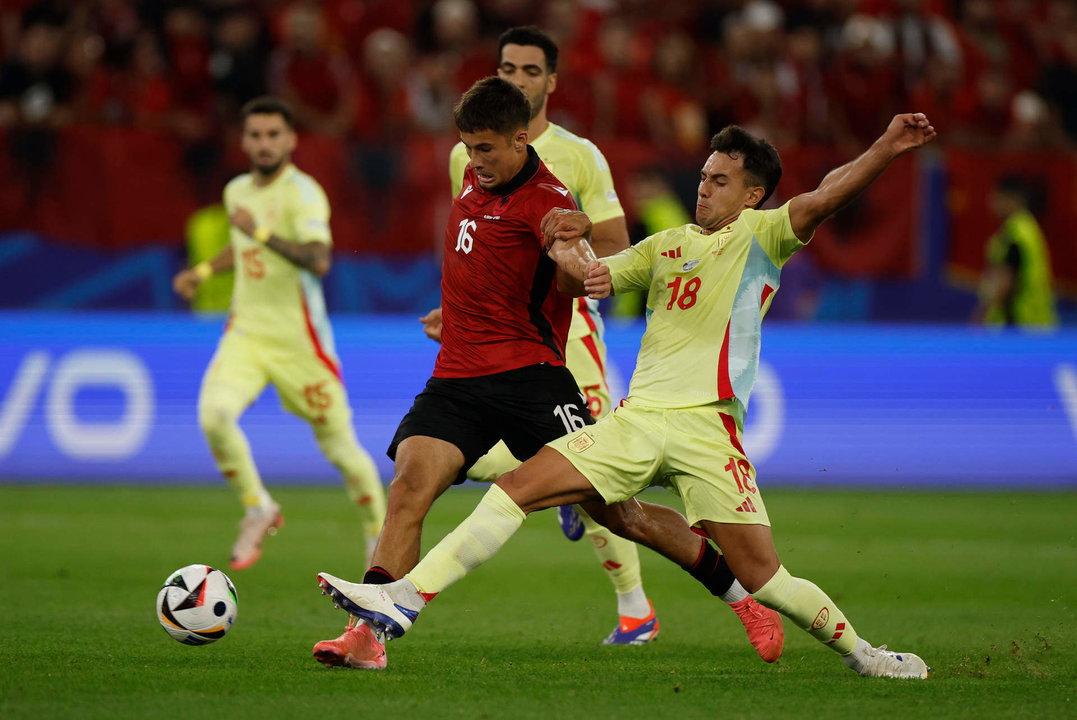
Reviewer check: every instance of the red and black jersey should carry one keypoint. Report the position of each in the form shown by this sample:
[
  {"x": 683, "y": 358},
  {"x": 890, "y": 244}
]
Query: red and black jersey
[{"x": 500, "y": 306}]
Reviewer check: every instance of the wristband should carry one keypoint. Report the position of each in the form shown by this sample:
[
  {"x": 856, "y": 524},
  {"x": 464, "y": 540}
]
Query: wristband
[
  {"x": 261, "y": 235},
  {"x": 203, "y": 270}
]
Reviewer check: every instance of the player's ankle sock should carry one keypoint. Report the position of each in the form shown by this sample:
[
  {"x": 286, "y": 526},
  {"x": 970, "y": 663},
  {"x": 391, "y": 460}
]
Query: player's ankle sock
[
  {"x": 713, "y": 572},
  {"x": 633, "y": 603},
  {"x": 378, "y": 576},
  {"x": 618, "y": 557},
  {"x": 473, "y": 542},
  {"x": 263, "y": 505},
  {"x": 809, "y": 608}
]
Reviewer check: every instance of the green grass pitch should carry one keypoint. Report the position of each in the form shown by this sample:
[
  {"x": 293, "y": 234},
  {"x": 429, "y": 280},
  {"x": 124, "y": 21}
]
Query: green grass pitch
[{"x": 982, "y": 585}]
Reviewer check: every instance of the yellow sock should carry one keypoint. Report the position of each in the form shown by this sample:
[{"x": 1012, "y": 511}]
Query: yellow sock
[
  {"x": 362, "y": 481},
  {"x": 619, "y": 557},
  {"x": 809, "y": 608},
  {"x": 473, "y": 542},
  {"x": 232, "y": 453}
]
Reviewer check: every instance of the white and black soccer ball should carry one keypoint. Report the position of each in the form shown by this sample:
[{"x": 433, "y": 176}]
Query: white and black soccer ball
[{"x": 197, "y": 605}]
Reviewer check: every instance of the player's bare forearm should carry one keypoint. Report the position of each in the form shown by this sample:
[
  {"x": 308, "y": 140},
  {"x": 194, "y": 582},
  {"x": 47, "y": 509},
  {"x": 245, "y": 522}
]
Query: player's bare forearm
[
  {"x": 186, "y": 281},
  {"x": 313, "y": 256},
  {"x": 573, "y": 258},
  {"x": 609, "y": 237},
  {"x": 841, "y": 185},
  {"x": 224, "y": 261}
]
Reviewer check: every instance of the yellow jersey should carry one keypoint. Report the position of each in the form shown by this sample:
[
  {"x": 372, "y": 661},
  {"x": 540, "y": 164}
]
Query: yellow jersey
[
  {"x": 582, "y": 168},
  {"x": 273, "y": 298},
  {"x": 707, "y": 298}
]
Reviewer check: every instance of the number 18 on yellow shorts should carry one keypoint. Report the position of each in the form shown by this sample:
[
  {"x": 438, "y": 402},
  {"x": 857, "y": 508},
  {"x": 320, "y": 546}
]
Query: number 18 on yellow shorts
[{"x": 695, "y": 452}]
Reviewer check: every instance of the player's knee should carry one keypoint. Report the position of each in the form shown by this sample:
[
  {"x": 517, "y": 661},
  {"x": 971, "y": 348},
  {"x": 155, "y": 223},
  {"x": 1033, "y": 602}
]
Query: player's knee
[
  {"x": 338, "y": 447},
  {"x": 410, "y": 496},
  {"x": 614, "y": 518},
  {"x": 216, "y": 421}
]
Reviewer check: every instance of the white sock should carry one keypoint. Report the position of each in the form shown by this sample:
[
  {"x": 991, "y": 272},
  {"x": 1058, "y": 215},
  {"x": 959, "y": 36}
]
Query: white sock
[
  {"x": 735, "y": 593},
  {"x": 633, "y": 603}
]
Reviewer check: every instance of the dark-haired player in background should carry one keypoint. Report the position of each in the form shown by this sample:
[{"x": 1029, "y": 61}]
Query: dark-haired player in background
[{"x": 278, "y": 331}]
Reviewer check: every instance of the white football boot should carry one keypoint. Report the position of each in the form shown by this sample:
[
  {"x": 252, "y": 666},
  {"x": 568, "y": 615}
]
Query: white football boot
[
  {"x": 871, "y": 661},
  {"x": 375, "y": 603}
]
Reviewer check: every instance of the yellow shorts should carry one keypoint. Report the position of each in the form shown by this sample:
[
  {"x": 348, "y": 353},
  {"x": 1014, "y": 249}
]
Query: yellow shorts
[
  {"x": 586, "y": 360},
  {"x": 308, "y": 385},
  {"x": 695, "y": 452}
]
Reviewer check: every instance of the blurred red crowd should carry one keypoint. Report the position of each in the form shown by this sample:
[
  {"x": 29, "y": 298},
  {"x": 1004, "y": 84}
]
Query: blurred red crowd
[{"x": 990, "y": 73}]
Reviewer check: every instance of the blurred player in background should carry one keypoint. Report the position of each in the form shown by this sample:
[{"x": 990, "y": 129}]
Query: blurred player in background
[
  {"x": 709, "y": 287},
  {"x": 528, "y": 59},
  {"x": 1016, "y": 286},
  {"x": 278, "y": 331}
]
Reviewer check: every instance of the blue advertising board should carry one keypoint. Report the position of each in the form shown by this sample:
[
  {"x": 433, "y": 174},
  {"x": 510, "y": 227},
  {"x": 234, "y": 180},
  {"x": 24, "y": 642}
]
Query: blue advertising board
[{"x": 112, "y": 397}]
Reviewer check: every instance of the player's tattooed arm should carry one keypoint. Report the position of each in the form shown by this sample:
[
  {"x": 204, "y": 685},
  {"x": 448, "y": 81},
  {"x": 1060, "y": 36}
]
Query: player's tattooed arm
[{"x": 313, "y": 256}]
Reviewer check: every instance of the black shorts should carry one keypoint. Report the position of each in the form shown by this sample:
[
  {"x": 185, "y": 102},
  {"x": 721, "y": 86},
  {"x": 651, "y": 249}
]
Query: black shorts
[{"x": 527, "y": 408}]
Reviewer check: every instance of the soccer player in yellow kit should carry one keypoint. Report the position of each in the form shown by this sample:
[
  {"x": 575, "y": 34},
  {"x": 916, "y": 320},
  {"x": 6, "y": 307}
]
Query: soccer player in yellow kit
[
  {"x": 710, "y": 286},
  {"x": 278, "y": 331},
  {"x": 528, "y": 59}
]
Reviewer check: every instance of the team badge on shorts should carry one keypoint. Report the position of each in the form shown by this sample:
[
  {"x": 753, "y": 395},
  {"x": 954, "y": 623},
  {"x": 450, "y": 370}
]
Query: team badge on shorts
[{"x": 581, "y": 443}]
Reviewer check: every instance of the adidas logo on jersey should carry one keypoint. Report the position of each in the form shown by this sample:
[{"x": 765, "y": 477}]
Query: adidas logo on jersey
[{"x": 672, "y": 253}]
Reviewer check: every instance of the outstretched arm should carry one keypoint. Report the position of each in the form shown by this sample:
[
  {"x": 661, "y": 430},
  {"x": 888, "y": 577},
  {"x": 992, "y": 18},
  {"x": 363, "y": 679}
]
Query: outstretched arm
[{"x": 905, "y": 132}]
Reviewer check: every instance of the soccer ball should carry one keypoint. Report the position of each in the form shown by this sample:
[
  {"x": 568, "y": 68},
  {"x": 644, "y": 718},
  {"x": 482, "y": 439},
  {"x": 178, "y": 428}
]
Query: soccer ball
[{"x": 197, "y": 605}]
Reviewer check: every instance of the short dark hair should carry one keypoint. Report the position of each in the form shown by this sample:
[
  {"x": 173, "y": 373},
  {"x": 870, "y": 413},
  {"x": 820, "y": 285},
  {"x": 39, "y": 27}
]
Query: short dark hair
[
  {"x": 531, "y": 36},
  {"x": 493, "y": 104},
  {"x": 269, "y": 105},
  {"x": 760, "y": 159}
]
